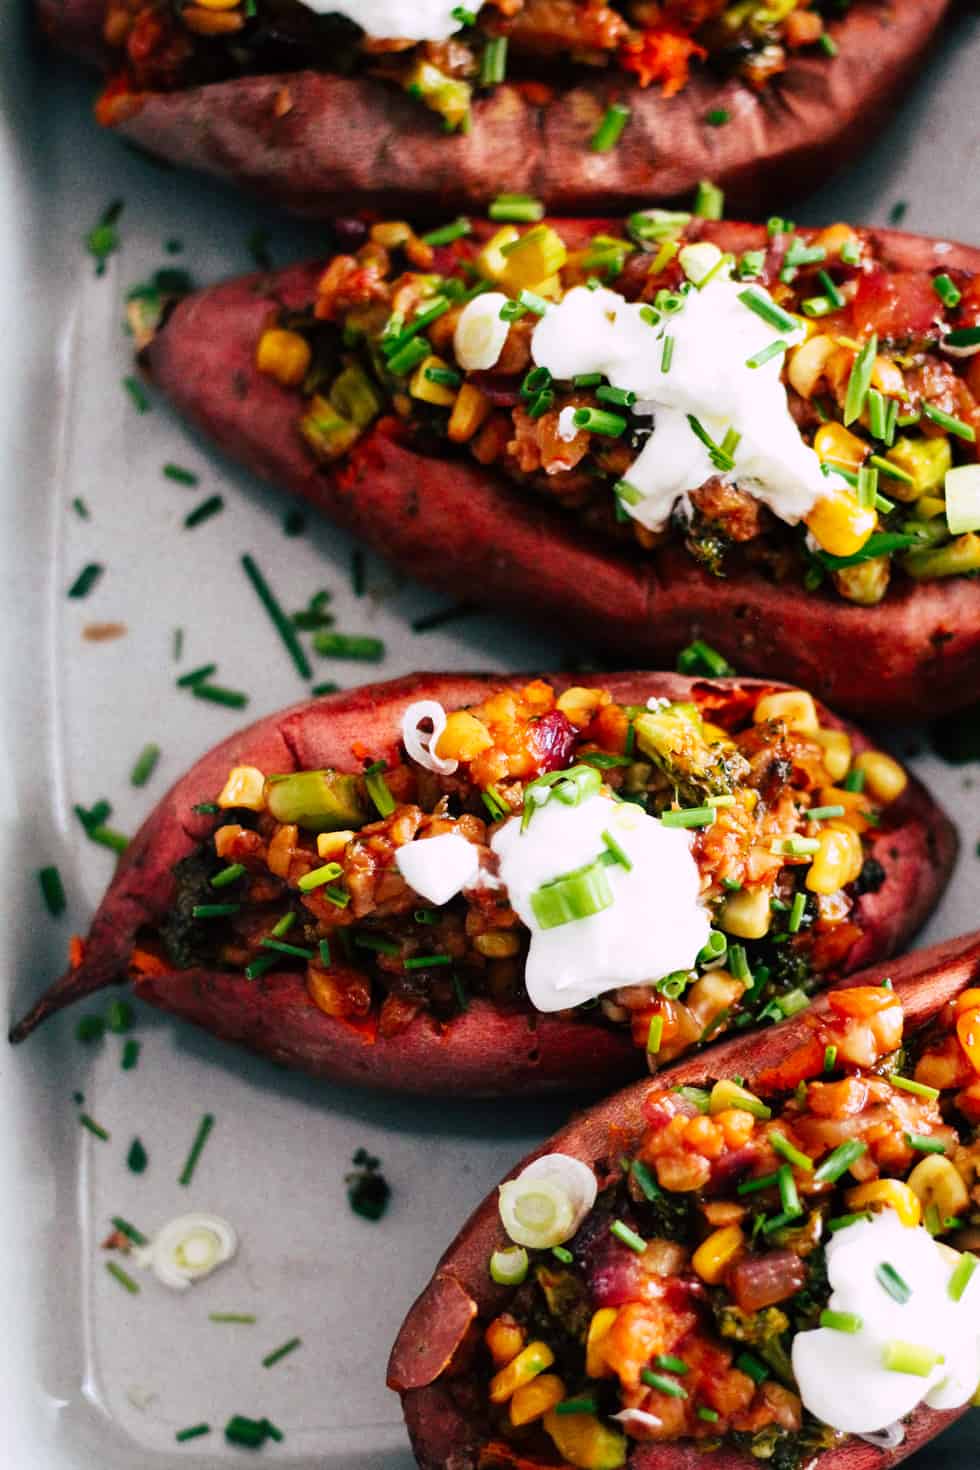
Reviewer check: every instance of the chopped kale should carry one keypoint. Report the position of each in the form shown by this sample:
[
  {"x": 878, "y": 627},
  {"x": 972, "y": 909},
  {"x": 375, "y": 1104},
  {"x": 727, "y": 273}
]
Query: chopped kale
[
  {"x": 784, "y": 1449},
  {"x": 762, "y": 1331},
  {"x": 805, "y": 1307},
  {"x": 188, "y": 940}
]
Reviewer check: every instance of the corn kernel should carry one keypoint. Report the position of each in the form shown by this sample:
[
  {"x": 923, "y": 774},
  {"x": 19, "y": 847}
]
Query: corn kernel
[
  {"x": 326, "y": 993},
  {"x": 968, "y": 1000},
  {"x": 530, "y": 1361},
  {"x": 498, "y": 944},
  {"x": 282, "y": 849},
  {"x": 836, "y": 445},
  {"x": 470, "y": 412},
  {"x": 838, "y": 860},
  {"x": 580, "y": 704},
  {"x": 839, "y": 524},
  {"x": 599, "y": 1329},
  {"x": 491, "y": 261},
  {"x": 890, "y": 1193},
  {"x": 714, "y": 1255},
  {"x": 866, "y": 583},
  {"x": 504, "y": 1339},
  {"x": 391, "y": 233},
  {"x": 464, "y": 737},
  {"x": 283, "y": 355},
  {"x": 245, "y": 787},
  {"x": 884, "y": 778},
  {"x": 425, "y": 390},
  {"x": 538, "y": 254},
  {"x": 836, "y": 746},
  {"x": 330, "y": 845},
  {"x": 805, "y": 365},
  {"x": 211, "y": 22},
  {"x": 855, "y": 805},
  {"x": 835, "y": 237},
  {"x": 747, "y": 914},
  {"x": 584, "y": 1441},
  {"x": 794, "y": 707},
  {"x": 936, "y": 1181},
  {"x": 535, "y": 1399},
  {"x": 217, "y": 4},
  {"x": 930, "y": 506}
]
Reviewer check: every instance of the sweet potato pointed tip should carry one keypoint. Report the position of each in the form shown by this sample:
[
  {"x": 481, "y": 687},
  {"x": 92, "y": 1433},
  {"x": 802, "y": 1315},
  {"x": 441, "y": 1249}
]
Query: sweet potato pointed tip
[{"x": 75, "y": 984}]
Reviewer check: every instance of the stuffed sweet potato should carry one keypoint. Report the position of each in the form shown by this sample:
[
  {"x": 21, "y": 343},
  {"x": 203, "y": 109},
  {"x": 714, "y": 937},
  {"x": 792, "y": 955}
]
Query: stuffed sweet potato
[
  {"x": 642, "y": 431},
  {"x": 765, "y": 1253},
  {"x": 586, "y": 104},
  {"x": 480, "y": 885}
]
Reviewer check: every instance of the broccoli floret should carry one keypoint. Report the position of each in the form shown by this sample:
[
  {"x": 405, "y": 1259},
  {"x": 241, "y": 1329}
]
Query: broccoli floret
[
  {"x": 667, "y": 1217},
  {"x": 763, "y": 1331},
  {"x": 805, "y": 1307},
  {"x": 785, "y": 1449}
]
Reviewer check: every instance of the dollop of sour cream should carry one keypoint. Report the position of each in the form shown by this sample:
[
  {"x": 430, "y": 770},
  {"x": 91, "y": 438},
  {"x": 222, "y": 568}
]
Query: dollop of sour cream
[
  {"x": 188, "y": 1249},
  {"x": 655, "y": 924},
  {"x": 714, "y": 335},
  {"x": 841, "y": 1375},
  {"x": 406, "y": 20},
  {"x": 438, "y": 867}
]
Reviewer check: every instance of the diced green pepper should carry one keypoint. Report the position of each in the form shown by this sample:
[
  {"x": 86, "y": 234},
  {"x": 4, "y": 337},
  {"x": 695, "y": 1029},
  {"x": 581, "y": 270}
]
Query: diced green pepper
[
  {"x": 926, "y": 460},
  {"x": 320, "y": 801}
]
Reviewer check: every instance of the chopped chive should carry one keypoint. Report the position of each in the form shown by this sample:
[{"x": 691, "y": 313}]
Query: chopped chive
[
  {"x": 446, "y": 234},
  {"x": 910, "y": 1357},
  {"x": 822, "y": 814},
  {"x": 137, "y": 393},
  {"x": 751, "y": 1365},
  {"x": 796, "y": 913},
  {"x": 700, "y": 658},
  {"x": 428, "y": 961},
  {"x": 137, "y": 1158},
  {"x": 317, "y": 877},
  {"x": 284, "y": 924},
  {"x": 130, "y": 1054},
  {"x": 376, "y": 944},
  {"x": 493, "y": 65},
  {"x": 145, "y": 765},
  {"x": 843, "y": 1221},
  {"x": 671, "y": 1364},
  {"x": 585, "y": 1403},
  {"x": 773, "y": 350},
  {"x": 327, "y": 687},
  {"x": 119, "y": 1017},
  {"x": 130, "y": 1231},
  {"x": 86, "y": 580},
  {"x": 925, "y": 1145},
  {"x": 667, "y": 355},
  {"x": 710, "y": 1416},
  {"x": 96, "y": 1129},
  {"x": 349, "y": 645},
  {"x": 860, "y": 380},
  {"x": 272, "y": 1431},
  {"x": 717, "y": 117},
  {"x": 897, "y": 1288},
  {"x": 963, "y": 337},
  {"x": 948, "y": 422},
  {"x": 829, "y": 1058},
  {"x": 378, "y": 790},
  {"x": 599, "y": 421},
  {"x": 324, "y": 948},
  {"x": 293, "y": 523},
  {"x": 337, "y": 896},
  {"x": 788, "y": 1195},
  {"x": 516, "y": 209},
  {"x": 655, "y": 1035},
  {"x": 561, "y": 1254},
  {"x": 257, "y": 968},
  {"x": 281, "y": 1352},
  {"x": 238, "y": 1319},
  {"x": 123, "y": 1277},
  {"x": 231, "y": 874},
  {"x": 918, "y": 1088},
  {"x": 204, "y": 511},
  {"x": 298, "y": 951},
  {"x": 193, "y": 1431},
  {"x": 663, "y": 1385},
  {"x": 762, "y": 1181},
  {"x": 103, "y": 239},
  {"x": 854, "y": 781},
  {"x": 841, "y": 1321},
  {"x": 962, "y": 1274},
  {"x": 839, "y": 1160},
  {"x": 206, "y": 808},
  {"x": 617, "y": 852},
  {"x": 768, "y": 310},
  {"x": 52, "y": 890},
  {"x": 738, "y": 962},
  {"x": 81, "y": 509},
  {"x": 196, "y": 676},
  {"x": 788, "y": 1151},
  {"x": 828, "y": 46},
  {"x": 89, "y": 1029},
  {"x": 217, "y": 694},
  {"x": 180, "y": 476},
  {"x": 709, "y": 201},
  {"x": 251, "y": 1433},
  {"x": 648, "y": 1185},
  {"x": 694, "y": 816},
  {"x": 279, "y": 619},
  {"x": 888, "y": 468},
  {"x": 628, "y": 1237},
  {"x": 610, "y": 129},
  {"x": 200, "y": 1139}
]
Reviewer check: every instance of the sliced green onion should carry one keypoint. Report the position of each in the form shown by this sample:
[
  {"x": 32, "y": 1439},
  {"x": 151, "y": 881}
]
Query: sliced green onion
[
  {"x": 839, "y": 1160},
  {"x": 842, "y": 1222},
  {"x": 717, "y": 117},
  {"x": 377, "y": 789},
  {"x": 428, "y": 961},
  {"x": 145, "y": 765},
  {"x": 773, "y": 350},
  {"x": 748, "y": 1363},
  {"x": 897, "y": 1288},
  {"x": 180, "y": 476},
  {"x": 963, "y": 337},
  {"x": 910, "y": 1357},
  {"x": 694, "y": 816},
  {"x": 584, "y": 1404},
  {"x": 123, "y": 1277},
  {"x": 214, "y": 910},
  {"x": 655, "y": 1035},
  {"x": 710, "y": 1416},
  {"x": 130, "y": 1231},
  {"x": 610, "y": 130},
  {"x": 860, "y": 380},
  {"x": 829, "y": 1058},
  {"x": 664, "y": 1385},
  {"x": 257, "y": 968},
  {"x": 797, "y": 846},
  {"x": 709, "y": 200},
  {"x": 599, "y": 421},
  {"x": 137, "y": 1158},
  {"x": 841, "y": 1321},
  {"x": 788, "y": 1195},
  {"x": 620, "y": 856},
  {"x": 130, "y": 1054},
  {"x": 193, "y": 1431},
  {"x": 628, "y": 1237},
  {"x": 86, "y": 580},
  {"x": 204, "y": 511},
  {"x": 516, "y": 209},
  {"x": 318, "y": 877},
  {"x": 280, "y": 621},
  {"x": 238, "y": 1319},
  {"x": 446, "y": 234},
  {"x": 96, "y": 1129},
  {"x": 197, "y": 1147},
  {"x": 762, "y": 1181},
  {"x": 324, "y": 948},
  {"x": 715, "y": 947},
  {"x": 575, "y": 895},
  {"x": 768, "y": 310},
  {"x": 218, "y": 694},
  {"x": 231, "y": 874},
  {"x": 195, "y": 676},
  {"x": 52, "y": 890},
  {"x": 298, "y": 951},
  {"x": 138, "y": 394},
  {"x": 700, "y": 658},
  {"x": 376, "y": 944},
  {"x": 493, "y": 66},
  {"x": 697, "y": 1096},
  {"x": 920, "y": 1089},
  {"x": 796, "y": 913},
  {"x": 509, "y": 1267},
  {"x": 925, "y": 1145},
  {"x": 561, "y": 1254},
  {"x": 962, "y": 1275},
  {"x": 277, "y": 1355},
  {"x": 349, "y": 645},
  {"x": 949, "y": 423},
  {"x": 789, "y": 1151},
  {"x": 252, "y": 1433}
]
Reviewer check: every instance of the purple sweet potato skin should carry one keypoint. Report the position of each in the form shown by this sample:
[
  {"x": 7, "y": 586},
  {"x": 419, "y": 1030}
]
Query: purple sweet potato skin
[
  {"x": 356, "y": 143},
  {"x": 445, "y": 1435},
  {"x": 488, "y": 1050},
  {"x": 457, "y": 526}
]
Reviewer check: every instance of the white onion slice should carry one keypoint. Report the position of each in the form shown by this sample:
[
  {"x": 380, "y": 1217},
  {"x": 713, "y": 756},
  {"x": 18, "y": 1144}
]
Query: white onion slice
[
  {"x": 888, "y": 1438},
  {"x": 480, "y": 332},
  {"x": 545, "y": 1205},
  {"x": 419, "y": 747},
  {"x": 637, "y": 1419},
  {"x": 576, "y": 1178},
  {"x": 189, "y": 1248}
]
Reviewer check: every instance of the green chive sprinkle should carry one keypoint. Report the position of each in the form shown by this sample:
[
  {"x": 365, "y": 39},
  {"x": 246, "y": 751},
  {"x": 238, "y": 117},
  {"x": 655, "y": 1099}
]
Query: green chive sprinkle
[
  {"x": 655, "y": 1035},
  {"x": 296, "y": 950},
  {"x": 839, "y": 1160},
  {"x": 717, "y": 117},
  {"x": 137, "y": 393},
  {"x": 145, "y": 765},
  {"x": 204, "y": 511},
  {"x": 561, "y": 1254},
  {"x": 257, "y": 968},
  {"x": 695, "y": 816},
  {"x": 86, "y": 580},
  {"x": 446, "y": 234},
  {"x": 137, "y": 1158},
  {"x": 599, "y": 421},
  {"x": 773, "y": 350},
  {"x": 119, "y": 1017},
  {"x": 327, "y": 687},
  {"x": 648, "y": 1185},
  {"x": 281, "y": 1352},
  {"x": 238, "y": 1319},
  {"x": 750, "y": 1364},
  {"x": 206, "y": 808},
  {"x": 962, "y": 1274},
  {"x": 700, "y": 658},
  {"x": 783, "y": 1146},
  {"x": 231, "y": 874},
  {"x": 52, "y": 891},
  {"x": 897, "y": 1288},
  {"x": 180, "y": 476},
  {"x": 324, "y": 947},
  {"x": 584, "y": 1404},
  {"x": 860, "y": 380},
  {"x": 949, "y": 423},
  {"x": 130, "y": 1231},
  {"x": 217, "y": 694},
  {"x": 671, "y": 1365},
  {"x": 710, "y": 1416},
  {"x": 428, "y": 961},
  {"x": 709, "y": 201},
  {"x": 319, "y": 876},
  {"x": 918, "y": 1088},
  {"x": 762, "y": 1181},
  {"x": 252, "y": 1433},
  {"x": 96, "y": 1129},
  {"x": 963, "y": 337},
  {"x": 377, "y": 789},
  {"x": 130, "y": 1054},
  {"x": 796, "y": 913},
  {"x": 349, "y": 645},
  {"x": 610, "y": 130},
  {"x": 103, "y": 239},
  {"x": 123, "y": 1277},
  {"x": 628, "y": 1237},
  {"x": 663, "y": 1385},
  {"x": 841, "y": 1321},
  {"x": 81, "y": 509},
  {"x": 829, "y": 1058},
  {"x": 280, "y": 621},
  {"x": 194, "y": 1431},
  {"x": 768, "y": 310},
  {"x": 925, "y": 1145},
  {"x": 843, "y": 1221},
  {"x": 493, "y": 66},
  {"x": 200, "y": 1139},
  {"x": 196, "y": 676},
  {"x": 516, "y": 209}
]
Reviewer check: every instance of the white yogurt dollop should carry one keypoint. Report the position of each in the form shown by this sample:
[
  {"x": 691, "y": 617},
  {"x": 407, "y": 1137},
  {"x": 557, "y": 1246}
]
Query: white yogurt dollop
[
  {"x": 438, "y": 867},
  {"x": 841, "y": 1375},
  {"x": 407, "y": 20},
  {"x": 654, "y": 926},
  {"x": 714, "y": 334}
]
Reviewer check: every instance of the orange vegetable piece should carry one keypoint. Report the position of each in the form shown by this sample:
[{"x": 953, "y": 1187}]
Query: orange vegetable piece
[
  {"x": 862, "y": 1001},
  {"x": 968, "y": 1031}
]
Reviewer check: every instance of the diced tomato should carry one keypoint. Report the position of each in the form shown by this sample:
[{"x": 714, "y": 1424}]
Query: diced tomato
[{"x": 895, "y": 304}]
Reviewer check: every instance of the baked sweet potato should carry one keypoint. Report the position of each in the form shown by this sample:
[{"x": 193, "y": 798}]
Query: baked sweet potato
[
  {"x": 478, "y": 491},
  {"x": 318, "y": 143},
  {"x": 441, "y": 1367},
  {"x": 220, "y": 915}
]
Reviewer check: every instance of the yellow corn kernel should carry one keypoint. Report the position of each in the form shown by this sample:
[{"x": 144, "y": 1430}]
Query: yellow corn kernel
[
  {"x": 884, "y": 778},
  {"x": 930, "y": 506},
  {"x": 715, "y": 735},
  {"x": 498, "y": 944},
  {"x": 530, "y": 1361},
  {"x": 836, "y": 746},
  {"x": 714, "y": 1255},
  {"x": 855, "y": 805},
  {"x": 838, "y": 860},
  {"x": 936, "y": 1181},
  {"x": 391, "y": 233},
  {"x": 865, "y": 584},
  {"x": 886, "y": 376},
  {"x": 426, "y": 390},
  {"x": 211, "y": 21},
  {"x": 504, "y": 1339},
  {"x": 538, "y": 254},
  {"x": 890, "y": 1194},
  {"x": 330, "y": 845},
  {"x": 584, "y": 1441},
  {"x": 968, "y": 1000},
  {"x": 840, "y": 525},
  {"x": 491, "y": 261},
  {"x": 580, "y": 704},
  {"x": 836, "y": 445},
  {"x": 794, "y": 707},
  {"x": 835, "y": 237},
  {"x": 551, "y": 289},
  {"x": 326, "y": 431},
  {"x": 747, "y": 914},
  {"x": 535, "y": 1399},
  {"x": 463, "y": 738},
  {"x": 599, "y": 1329},
  {"x": 284, "y": 356},
  {"x": 244, "y": 787},
  {"x": 470, "y": 411},
  {"x": 713, "y": 995},
  {"x": 217, "y": 4},
  {"x": 805, "y": 364},
  {"x": 282, "y": 849}
]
